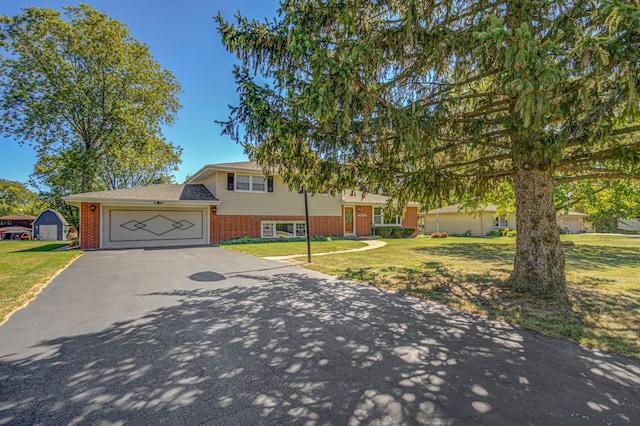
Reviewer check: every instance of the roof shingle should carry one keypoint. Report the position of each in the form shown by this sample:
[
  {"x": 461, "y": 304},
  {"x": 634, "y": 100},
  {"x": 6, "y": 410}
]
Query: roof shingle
[{"x": 165, "y": 192}]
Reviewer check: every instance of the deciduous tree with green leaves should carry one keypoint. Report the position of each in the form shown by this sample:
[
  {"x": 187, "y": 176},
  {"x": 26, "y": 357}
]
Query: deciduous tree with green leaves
[
  {"x": 440, "y": 100},
  {"x": 16, "y": 198},
  {"x": 84, "y": 93},
  {"x": 605, "y": 201}
]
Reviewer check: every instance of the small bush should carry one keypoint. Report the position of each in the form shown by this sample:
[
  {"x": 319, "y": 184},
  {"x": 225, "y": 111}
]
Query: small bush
[
  {"x": 439, "y": 235},
  {"x": 512, "y": 233},
  {"x": 383, "y": 232},
  {"x": 494, "y": 233},
  {"x": 393, "y": 232},
  {"x": 408, "y": 232},
  {"x": 402, "y": 232}
]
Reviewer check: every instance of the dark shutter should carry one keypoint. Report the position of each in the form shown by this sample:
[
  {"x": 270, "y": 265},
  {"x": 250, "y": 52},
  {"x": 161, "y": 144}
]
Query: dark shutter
[
  {"x": 230, "y": 181},
  {"x": 270, "y": 184}
]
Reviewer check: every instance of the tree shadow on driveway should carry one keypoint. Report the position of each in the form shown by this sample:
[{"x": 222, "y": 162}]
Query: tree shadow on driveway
[{"x": 304, "y": 348}]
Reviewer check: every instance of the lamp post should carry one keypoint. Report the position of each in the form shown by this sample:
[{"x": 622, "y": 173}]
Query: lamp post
[{"x": 306, "y": 221}]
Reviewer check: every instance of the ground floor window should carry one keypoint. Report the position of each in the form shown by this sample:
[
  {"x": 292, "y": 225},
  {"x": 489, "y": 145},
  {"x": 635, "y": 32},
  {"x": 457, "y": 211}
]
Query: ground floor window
[
  {"x": 501, "y": 222},
  {"x": 380, "y": 217},
  {"x": 283, "y": 229}
]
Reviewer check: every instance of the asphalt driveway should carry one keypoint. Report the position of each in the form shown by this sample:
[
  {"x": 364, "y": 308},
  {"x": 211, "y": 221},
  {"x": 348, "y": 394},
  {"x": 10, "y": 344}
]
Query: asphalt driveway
[{"x": 209, "y": 336}]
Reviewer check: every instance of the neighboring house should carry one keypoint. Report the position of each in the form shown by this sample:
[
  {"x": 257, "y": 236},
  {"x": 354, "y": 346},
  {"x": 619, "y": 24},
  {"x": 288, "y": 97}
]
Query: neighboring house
[
  {"x": 50, "y": 225},
  {"x": 15, "y": 225},
  {"x": 631, "y": 225},
  {"x": 479, "y": 223},
  {"x": 572, "y": 222},
  {"x": 223, "y": 201}
]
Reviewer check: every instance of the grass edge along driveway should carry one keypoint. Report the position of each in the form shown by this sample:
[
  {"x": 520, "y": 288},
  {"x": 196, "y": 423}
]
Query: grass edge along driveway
[
  {"x": 603, "y": 273},
  {"x": 26, "y": 267}
]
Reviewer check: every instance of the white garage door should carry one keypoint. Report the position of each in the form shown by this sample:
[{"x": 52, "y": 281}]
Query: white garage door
[
  {"x": 49, "y": 232},
  {"x": 154, "y": 228}
]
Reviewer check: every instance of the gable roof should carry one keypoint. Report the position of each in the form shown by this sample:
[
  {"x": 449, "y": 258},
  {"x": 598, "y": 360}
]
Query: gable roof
[
  {"x": 154, "y": 193},
  {"x": 456, "y": 208},
  {"x": 359, "y": 197},
  {"x": 240, "y": 166}
]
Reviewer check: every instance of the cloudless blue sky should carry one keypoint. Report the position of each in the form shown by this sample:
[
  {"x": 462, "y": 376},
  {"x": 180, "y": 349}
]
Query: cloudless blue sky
[{"x": 183, "y": 37}]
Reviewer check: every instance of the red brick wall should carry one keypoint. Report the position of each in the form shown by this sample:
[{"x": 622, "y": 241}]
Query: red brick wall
[
  {"x": 89, "y": 226},
  {"x": 224, "y": 227},
  {"x": 364, "y": 220}
]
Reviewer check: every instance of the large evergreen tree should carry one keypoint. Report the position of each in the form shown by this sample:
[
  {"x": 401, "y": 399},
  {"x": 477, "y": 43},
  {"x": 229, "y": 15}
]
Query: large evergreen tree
[
  {"x": 440, "y": 100},
  {"x": 87, "y": 96}
]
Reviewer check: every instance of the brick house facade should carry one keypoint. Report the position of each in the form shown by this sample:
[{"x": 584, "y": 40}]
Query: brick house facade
[{"x": 223, "y": 201}]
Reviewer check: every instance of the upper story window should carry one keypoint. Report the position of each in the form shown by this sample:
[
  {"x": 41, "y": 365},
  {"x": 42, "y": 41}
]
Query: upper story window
[
  {"x": 243, "y": 183},
  {"x": 501, "y": 222},
  {"x": 380, "y": 217},
  {"x": 253, "y": 183},
  {"x": 257, "y": 183}
]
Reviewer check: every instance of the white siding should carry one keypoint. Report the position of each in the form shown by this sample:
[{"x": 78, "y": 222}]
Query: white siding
[
  {"x": 280, "y": 202},
  {"x": 572, "y": 224}
]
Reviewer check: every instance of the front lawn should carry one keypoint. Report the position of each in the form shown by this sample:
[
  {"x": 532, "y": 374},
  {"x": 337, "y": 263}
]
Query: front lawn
[
  {"x": 287, "y": 248},
  {"x": 25, "y": 268},
  {"x": 603, "y": 273}
]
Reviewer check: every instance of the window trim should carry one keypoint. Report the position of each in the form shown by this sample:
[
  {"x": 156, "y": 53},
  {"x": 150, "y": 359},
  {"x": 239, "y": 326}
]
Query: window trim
[
  {"x": 274, "y": 224},
  {"x": 265, "y": 183},
  {"x": 382, "y": 216},
  {"x": 497, "y": 222}
]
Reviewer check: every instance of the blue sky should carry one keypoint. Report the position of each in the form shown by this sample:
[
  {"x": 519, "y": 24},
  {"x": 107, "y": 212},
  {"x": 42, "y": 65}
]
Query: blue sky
[{"x": 183, "y": 38}]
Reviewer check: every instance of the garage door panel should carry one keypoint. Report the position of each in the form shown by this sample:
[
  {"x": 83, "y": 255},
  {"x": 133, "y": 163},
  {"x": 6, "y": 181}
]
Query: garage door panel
[{"x": 155, "y": 228}]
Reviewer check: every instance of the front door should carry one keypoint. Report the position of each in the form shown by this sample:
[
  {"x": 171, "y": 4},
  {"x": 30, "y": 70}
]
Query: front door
[{"x": 349, "y": 228}]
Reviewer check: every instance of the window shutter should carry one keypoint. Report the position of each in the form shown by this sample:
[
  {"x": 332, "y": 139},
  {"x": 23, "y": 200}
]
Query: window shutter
[
  {"x": 230, "y": 181},
  {"x": 270, "y": 184}
]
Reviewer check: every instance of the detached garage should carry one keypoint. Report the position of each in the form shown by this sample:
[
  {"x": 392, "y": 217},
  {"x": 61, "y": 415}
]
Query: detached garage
[
  {"x": 50, "y": 225},
  {"x": 151, "y": 216}
]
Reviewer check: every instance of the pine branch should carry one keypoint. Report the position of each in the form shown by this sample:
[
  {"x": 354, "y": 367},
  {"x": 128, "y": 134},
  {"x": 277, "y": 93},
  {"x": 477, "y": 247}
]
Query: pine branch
[{"x": 595, "y": 176}]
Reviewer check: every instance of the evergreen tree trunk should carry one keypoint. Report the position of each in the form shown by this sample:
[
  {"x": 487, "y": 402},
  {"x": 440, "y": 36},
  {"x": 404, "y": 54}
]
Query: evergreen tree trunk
[{"x": 539, "y": 262}]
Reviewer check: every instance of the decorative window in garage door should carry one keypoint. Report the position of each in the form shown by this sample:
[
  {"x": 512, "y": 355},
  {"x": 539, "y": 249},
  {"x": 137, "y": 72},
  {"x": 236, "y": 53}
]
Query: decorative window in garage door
[
  {"x": 139, "y": 225},
  {"x": 157, "y": 225}
]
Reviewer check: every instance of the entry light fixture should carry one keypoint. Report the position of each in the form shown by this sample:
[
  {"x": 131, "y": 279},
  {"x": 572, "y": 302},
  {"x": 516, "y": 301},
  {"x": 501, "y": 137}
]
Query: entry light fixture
[
  {"x": 93, "y": 207},
  {"x": 214, "y": 209}
]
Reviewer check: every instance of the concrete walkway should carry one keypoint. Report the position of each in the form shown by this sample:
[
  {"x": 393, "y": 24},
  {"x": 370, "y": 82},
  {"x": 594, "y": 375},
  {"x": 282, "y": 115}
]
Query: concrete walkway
[{"x": 371, "y": 244}]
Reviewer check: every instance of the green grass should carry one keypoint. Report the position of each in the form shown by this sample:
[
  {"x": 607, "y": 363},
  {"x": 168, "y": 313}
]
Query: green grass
[
  {"x": 603, "y": 274},
  {"x": 295, "y": 247},
  {"x": 25, "y": 268}
]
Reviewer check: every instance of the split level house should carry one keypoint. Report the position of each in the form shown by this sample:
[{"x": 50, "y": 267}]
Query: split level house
[{"x": 222, "y": 201}]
